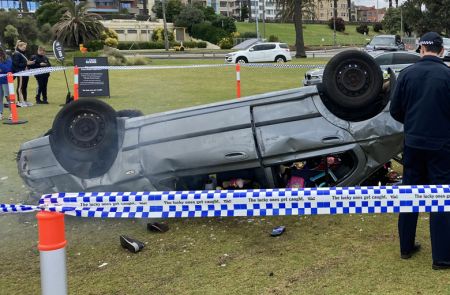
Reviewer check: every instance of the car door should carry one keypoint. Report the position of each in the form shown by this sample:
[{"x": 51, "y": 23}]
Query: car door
[
  {"x": 403, "y": 58},
  {"x": 269, "y": 52},
  {"x": 256, "y": 53}
]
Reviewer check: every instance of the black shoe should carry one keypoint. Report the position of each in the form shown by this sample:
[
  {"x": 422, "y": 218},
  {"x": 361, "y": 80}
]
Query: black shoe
[
  {"x": 440, "y": 265},
  {"x": 39, "y": 102},
  {"x": 132, "y": 245},
  {"x": 157, "y": 227},
  {"x": 409, "y": 254},
  {"x": 45, "y": 102}
]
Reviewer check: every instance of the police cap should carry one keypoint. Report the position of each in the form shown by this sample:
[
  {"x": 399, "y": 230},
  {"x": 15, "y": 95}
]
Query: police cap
[{"x": 430, "y": 38}]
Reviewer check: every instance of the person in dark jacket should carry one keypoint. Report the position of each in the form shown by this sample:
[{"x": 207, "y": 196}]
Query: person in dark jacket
[
  {"x": 41, "y": 61},
  {"x": 21, "y": 63},
  {"x": 5, "y": 67},
  {"x": 421, "y": 101}
]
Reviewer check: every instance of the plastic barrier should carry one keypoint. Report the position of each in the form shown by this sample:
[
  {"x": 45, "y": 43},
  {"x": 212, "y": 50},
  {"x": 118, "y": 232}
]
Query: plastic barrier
[
  {"x": 238, "y": 80},
  {"x": 75, "y": 83},
  {"x": 12, "y": 103}
]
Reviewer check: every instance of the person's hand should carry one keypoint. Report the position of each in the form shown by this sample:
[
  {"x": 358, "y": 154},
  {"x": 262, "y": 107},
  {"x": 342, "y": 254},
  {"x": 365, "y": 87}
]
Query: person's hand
[
  {"x": 43, "y": 64},
  {"x": 31, "y": 62}
]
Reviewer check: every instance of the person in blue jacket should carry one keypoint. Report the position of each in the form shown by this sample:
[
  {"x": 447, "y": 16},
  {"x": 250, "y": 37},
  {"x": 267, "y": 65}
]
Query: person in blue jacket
[
  {"x": 5, "y": 67},
  {"x": 421, "y": 101}
]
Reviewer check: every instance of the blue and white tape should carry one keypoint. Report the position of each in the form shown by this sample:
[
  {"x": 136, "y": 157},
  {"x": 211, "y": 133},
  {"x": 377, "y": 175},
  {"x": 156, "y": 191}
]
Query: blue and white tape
[{"x": 269, "y": 202}]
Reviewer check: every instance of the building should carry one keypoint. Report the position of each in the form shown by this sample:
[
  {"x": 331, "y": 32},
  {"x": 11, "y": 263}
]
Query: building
[
  {"x": 323, "y": 10},
  {"x": 133, "y": 30},
  {"x": 17, "y": 5},
  {"x": 370, "y": 14},
  {"x": 116, "y": 6}
]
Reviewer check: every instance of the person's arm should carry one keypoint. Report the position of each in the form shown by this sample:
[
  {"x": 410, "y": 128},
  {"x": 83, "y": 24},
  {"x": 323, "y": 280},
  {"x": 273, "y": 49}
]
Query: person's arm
[{"x": 397, "y": 107}]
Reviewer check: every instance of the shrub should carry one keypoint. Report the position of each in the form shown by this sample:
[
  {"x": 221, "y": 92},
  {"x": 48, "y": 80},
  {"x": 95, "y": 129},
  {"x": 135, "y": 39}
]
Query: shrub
[
  {"x": 248, "y": 35},
  {"x": 202, "y": 44},
  {"x": 111, "y": 42},
  {"x": 377, "y": 27},
  {"x": 137, "y": 61},
  {"x": 273, "y": 38},
  {"x": 206, "y": 31},
  {"x": 158, "y": 35},
  {"x": 94, "y": 45},
  {"x": 340, "y": 24},
  {"x": 362, "y": 29},
  {"x": 11, "y": 36},
  {"x": 45, "y": 33},
  {"x": 226, "y": 43}
]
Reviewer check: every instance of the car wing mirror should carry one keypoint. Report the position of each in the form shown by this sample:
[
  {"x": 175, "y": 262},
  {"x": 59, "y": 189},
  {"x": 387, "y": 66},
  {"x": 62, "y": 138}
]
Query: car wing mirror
[{"x": 251, "y": 49}]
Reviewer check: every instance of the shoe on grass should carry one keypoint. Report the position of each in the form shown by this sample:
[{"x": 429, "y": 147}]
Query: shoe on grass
[
  {"x": 440, "y": 265},
  {"x": 407, "y": 255},
  {"x": 131, "y": 244}
]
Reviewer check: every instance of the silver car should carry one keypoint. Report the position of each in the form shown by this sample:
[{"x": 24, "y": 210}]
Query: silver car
[
  {"x": 338, "y": 134},
  {"x": 397, "y": 60}
]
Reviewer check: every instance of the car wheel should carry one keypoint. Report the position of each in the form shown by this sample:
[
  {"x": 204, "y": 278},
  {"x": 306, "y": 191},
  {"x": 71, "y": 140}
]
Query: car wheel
[
  {"x": 280, "y": 59},
  {"x": 129, "y": 113},
  {"x": 352, "y": 86},
  {"x": 84, "y": 138},
  {"x": 241, "y": 60}
]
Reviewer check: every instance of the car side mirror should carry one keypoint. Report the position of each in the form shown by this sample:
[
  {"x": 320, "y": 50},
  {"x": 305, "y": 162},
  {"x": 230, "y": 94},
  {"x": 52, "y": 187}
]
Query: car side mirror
[{"x": 251, "y": 49}]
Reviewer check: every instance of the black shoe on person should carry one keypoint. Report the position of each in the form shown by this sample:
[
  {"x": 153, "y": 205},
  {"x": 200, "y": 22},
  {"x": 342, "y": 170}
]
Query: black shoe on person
[
  {"x": 44, "y": 102},
  {"x": 440, "y": 265},
  {"x": 39, "y": 102},
  {"x": 131, "y": 244},
  {"x": 407, "y": 255}
]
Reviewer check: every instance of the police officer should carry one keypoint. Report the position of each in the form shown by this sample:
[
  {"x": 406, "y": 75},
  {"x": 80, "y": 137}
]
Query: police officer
[{"x": 421, "y": 101}]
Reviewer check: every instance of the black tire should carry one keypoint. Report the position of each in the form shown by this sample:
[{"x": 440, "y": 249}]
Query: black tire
[
  {"x": 352, "y": 80},
  {"x": 280, "y": 59},
  {"x": 84, "y": 138},
  {"x": 129, "y": 113},
  {"x": 241, "y": 60}
]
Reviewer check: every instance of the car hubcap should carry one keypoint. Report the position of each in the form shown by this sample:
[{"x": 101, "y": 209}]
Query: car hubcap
[
  {"x": 86, "y": 130},
  {"x": 353, "y": 79},
  {"x": 280, "y": 60}
]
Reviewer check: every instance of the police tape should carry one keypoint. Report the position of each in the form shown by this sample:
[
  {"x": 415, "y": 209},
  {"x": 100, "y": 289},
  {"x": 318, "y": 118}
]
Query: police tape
[
  {"x": 261, "y": 202},
  {"x": 46, "y": 70}
]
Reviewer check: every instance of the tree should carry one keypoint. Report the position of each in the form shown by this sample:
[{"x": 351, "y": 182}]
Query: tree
[
  {"x": 77, "y": 25},
  {"x": 25, "y": 25},
  {"x": 298, "y": 23},
  {"x": 391, "y": 22},
  {"x": 436, "y": 16},
  {"x": 244, "y": 12},
  {"x": 45, "y": 33},
  {"x": 11, "y": 35},
  {"x": 173, "y": 9},
  {"x": 226, "y": 23},
  {"x": 49, "y": 12},
  {"x": 188, "y": 17}
]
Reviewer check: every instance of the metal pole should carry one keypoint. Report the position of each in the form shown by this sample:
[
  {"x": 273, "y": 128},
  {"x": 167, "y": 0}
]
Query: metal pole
[
  {"x": 264, "y": 18},
  {"x": 401, "y": 21},
  {"x": 334, "y": 22},
  {"x": 256, "y": 19}
]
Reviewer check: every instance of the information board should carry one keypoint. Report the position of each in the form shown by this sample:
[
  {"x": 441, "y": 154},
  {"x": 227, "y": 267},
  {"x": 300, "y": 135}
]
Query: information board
[{"x": 92, "y": 82}]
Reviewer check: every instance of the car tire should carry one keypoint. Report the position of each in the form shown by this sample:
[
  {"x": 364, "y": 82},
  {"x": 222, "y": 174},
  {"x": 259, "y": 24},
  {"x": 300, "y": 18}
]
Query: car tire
[
  {"x": 280, "y": 59},
  {"x": 352, "y": 86},
  {"x": 129, "y": 113},
  {"x": 84, "y": 138},
  {"x": 241, "y": 60}
]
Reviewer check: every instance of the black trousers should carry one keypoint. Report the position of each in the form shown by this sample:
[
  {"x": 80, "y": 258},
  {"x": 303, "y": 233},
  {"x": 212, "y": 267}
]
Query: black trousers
[
  {"x": 426, "y": 167},
  {"x": 42, "y": 81},
  {"x": 22, "y": 84}
]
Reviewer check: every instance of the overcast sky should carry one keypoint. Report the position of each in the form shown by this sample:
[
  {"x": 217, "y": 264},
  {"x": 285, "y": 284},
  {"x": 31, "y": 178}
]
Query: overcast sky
[{"x": 381, "y": 3}]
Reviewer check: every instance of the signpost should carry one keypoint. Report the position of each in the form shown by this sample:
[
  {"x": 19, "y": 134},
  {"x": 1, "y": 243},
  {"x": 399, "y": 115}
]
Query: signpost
[{"x": 92, "y": 82}]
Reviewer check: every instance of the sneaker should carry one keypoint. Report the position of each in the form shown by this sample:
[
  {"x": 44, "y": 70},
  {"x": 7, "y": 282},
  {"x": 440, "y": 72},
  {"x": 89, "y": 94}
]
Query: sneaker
[
  {"x": 22, "y": 104},
  {"x": 1, "y": 116},
  {"x": 10, "y": 117},
  {"x": 131, "y": 244},
  {"x": 29, "y": 104}
]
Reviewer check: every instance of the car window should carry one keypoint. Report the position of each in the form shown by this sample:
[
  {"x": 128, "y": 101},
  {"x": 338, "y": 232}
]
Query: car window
[
  {"x": 446, "y": 42},
  {"x": 284, "y": 46},
  {"x": 384, "y": 59},
  {"x": 405, "y": 58},
  {"x": 269, "y": 46},
  {"x": 258, "y": 47},
  {"x": 383, "y": 41}
]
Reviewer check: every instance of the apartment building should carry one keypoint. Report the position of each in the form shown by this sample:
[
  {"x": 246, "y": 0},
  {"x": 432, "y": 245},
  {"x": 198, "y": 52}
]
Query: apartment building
[
  {"x": 323, "y": 10},
  {"x": 115, "y": 6},
  {"x": 370, "y": 14},
  {"x": 17, "y": 5}
]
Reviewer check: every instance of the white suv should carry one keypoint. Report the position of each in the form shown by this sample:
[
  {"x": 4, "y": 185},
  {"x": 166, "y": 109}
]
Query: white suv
[{"x": 261, "y": 52}]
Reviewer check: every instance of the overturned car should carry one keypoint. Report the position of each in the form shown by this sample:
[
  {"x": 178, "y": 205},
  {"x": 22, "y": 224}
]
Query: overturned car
[{"x": 335, "y": 134}]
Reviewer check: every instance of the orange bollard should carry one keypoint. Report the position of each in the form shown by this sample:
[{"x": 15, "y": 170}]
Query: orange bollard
[
  {"x": 52, "y": 243},
  {"x": 12, "y": 103},
  {"x": 75, "y": 83},
  {"x": 238, "y": 80}
]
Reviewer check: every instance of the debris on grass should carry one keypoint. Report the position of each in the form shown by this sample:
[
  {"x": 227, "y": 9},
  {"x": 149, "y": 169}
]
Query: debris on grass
[{"x": 103, "y": 265}]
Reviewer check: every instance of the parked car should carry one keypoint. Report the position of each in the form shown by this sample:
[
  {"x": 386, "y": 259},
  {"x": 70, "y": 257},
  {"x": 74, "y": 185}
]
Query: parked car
[
  {"x": 446, "y": 55},
  {"x": 386, "y": 43},
  {"x": 397, "y": 60},
  {"x": 261, "y": 52},
  {"x": 337, "y": 134}
]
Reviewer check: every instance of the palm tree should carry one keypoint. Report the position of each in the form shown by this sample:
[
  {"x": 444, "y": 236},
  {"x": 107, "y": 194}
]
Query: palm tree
[{"x": 77, "y": 25}]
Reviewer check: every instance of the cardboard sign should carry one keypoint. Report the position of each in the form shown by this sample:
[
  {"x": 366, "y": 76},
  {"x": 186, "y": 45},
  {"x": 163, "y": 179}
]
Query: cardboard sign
[{"x": 92, "y": 82}]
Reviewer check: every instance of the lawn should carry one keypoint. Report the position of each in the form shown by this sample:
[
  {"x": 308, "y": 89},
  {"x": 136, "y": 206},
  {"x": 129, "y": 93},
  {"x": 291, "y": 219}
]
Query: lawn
[
  {"x": 314, "y": 34},
  {"x": 354, "y": 254}
]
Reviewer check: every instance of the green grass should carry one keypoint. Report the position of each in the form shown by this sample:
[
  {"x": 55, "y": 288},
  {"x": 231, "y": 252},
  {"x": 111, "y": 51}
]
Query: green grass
[
  {"x": 354, "y": 254},
  {"x": 313, "y": 34}
]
